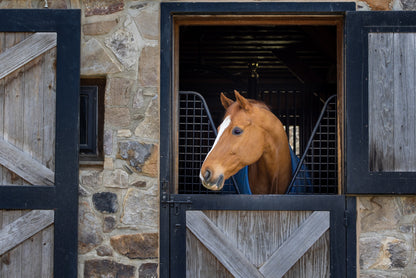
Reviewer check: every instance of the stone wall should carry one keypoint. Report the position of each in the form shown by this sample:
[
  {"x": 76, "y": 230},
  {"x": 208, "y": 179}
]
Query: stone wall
[
  {"x": 387, "y": 239},
  {"x": 119, "y": 200}
]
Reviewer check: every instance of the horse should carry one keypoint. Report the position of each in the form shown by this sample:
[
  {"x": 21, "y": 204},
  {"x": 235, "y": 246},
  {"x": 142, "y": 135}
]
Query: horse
[{"x": 250, "y": 135}]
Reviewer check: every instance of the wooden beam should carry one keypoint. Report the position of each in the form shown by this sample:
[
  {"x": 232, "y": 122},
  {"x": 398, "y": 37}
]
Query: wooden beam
[
  {"x": 24, "y": 165},
  {"x": 25, "y": 51},
  {"x": 257, "y": 20},
  {"x": 219, "y": 245},
  {"x": 23, "y": 228},
  {"x": 296, "y": 245}
]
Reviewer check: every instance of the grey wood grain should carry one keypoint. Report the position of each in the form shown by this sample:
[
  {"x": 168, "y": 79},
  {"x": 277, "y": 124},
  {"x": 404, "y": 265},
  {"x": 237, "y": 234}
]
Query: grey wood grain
[
  {"x": 215, "y": 241},
  {"x": 13, "y": 268},
  {"x": 23, "y": 228},
  {"x": 25, "y": 51},
  {"x": 381, "y": 101},
  {"x": 49, "y": 108},
  {"x": 297, "y": 244},
  {"x": 24, "y": 166},
  {"x": 47, "y": 252},
  {"x": 404, "y": 90}
]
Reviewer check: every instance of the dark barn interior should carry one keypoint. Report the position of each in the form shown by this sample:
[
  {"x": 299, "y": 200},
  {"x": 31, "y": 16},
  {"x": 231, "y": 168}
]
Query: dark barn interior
[{"x": 291, "y": 68}]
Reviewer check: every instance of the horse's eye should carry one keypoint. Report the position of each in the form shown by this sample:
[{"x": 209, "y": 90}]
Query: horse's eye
[{"x": 237, "y": 131}]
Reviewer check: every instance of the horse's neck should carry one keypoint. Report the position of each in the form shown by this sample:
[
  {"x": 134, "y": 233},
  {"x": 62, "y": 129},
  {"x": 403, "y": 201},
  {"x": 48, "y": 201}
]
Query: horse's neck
[{"x": 271, "y": 174}]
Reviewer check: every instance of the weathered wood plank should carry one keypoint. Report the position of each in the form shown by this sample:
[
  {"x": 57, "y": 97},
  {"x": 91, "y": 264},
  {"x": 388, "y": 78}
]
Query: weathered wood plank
[
  {"x": 11, "y": 266},
  {"x": 24, "y": 166},
  {"x": 22, "y": 53},
  {"x": 13, "y": 111},
  {"x": 255, "y": 235},
  {"x": 404, "y": 102},
  {"x": 226, "y": 221},
  {"x": 215, "y": 241},
  {"x": 49, "y": 106},
  {"x": 31, "y": 258},
  {"x": 298, "y": 243},
  {"x": 315, "y": 262},
  {"x": 381, "y": 101},
  {"x": 33, "y": 109},
  {"x": 47, "y": 252},
  {"x": 201, "y": 263},
  {"x": 24, "y": 228}
]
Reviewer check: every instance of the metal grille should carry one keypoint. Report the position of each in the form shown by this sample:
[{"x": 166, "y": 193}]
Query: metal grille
[
  {"x": 317, "y": 169},
  {"x": 197, "y": 134}
]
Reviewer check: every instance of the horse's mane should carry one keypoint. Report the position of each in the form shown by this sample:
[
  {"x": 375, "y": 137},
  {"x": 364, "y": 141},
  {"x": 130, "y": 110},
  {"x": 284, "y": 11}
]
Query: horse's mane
[{"x": 259, "y": 104}]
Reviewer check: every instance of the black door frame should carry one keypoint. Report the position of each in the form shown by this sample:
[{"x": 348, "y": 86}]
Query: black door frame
[
  {"x": 63, "y": 196},
  {"x": 173, "y": 206}
]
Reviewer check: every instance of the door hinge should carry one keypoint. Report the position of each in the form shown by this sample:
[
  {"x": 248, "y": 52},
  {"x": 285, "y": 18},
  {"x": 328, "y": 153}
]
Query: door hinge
[{"x": 165, "y": 192}]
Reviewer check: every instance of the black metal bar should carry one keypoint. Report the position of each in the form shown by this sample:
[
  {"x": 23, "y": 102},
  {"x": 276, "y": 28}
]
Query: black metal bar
[{"x": 308, "y": 145}]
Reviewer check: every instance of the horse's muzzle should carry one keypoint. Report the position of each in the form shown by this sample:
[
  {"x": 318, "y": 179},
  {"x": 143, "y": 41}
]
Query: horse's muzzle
[{"x": 211, "y": 184}]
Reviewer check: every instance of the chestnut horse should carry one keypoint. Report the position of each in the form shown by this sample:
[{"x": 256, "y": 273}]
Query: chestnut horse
[{"x": 249, "y": 135}]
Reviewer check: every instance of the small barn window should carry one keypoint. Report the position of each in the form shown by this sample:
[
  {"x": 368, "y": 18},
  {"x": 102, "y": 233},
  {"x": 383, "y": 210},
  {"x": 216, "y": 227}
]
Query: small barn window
[
  {"x": 293, "y": 67},
  {"x": 88, "y": 119},
  {"x": 91, "y": 119}
]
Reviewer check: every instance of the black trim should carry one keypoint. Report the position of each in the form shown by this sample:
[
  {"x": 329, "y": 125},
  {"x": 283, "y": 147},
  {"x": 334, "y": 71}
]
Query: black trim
[
  {"x": 27, "y": 197},
  {"x": 359, "y": 180},
  {"x": 351, "y": 239},
  {"x": 256, "y": 8},
  {"x": 63, "y": 197}
]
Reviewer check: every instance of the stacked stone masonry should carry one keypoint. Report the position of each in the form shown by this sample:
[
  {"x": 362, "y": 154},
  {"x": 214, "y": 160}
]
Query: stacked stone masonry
[{"x": 119, "y": 201}]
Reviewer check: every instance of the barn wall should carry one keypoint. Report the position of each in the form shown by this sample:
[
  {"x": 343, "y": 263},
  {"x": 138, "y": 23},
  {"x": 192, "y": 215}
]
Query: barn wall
[{"x": 119, "y": 204}]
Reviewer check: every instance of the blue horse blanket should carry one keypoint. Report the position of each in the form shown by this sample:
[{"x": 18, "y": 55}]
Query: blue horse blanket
[{"x": 298, "y": 186}]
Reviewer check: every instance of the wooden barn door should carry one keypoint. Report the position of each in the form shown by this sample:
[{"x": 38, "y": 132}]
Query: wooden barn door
[
  {"x": 39, "y": 83},
  {"x": 260, "y": 236}
]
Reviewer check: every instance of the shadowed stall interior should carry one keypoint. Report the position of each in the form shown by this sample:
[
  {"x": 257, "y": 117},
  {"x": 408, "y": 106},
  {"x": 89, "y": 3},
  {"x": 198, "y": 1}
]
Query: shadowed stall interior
[{"x": 293, "y": 69}]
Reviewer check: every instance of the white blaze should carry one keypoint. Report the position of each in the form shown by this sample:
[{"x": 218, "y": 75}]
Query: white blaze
[{"x": 222, "y": 128}]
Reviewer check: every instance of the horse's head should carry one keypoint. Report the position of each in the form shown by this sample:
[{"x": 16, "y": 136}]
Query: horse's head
[{"x": 240, "y": 141}]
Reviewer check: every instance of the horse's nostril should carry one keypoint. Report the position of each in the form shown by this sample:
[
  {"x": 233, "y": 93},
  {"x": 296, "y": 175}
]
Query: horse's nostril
[
  {"x": 220, "y": 179},
  {"x": 207, "y": 175}
]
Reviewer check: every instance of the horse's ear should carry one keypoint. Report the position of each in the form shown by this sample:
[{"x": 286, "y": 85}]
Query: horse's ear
[
  {"x": 225, "y": 101},
  {"x": 244, "y": 103}
]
